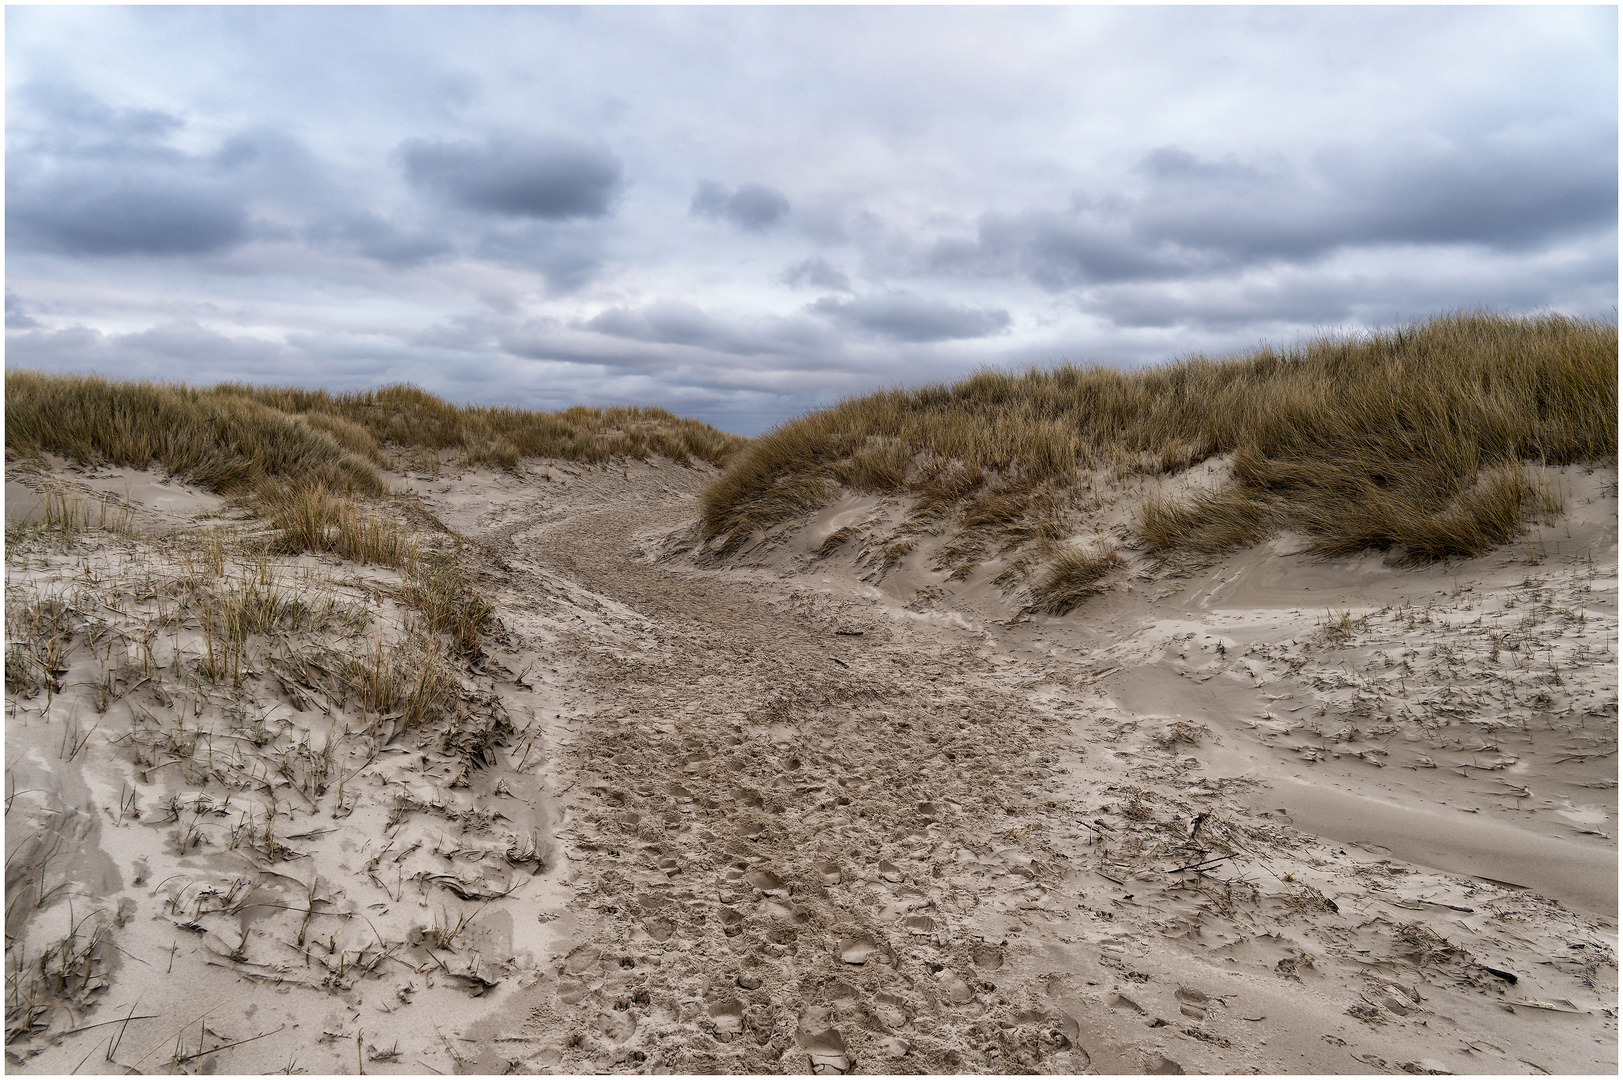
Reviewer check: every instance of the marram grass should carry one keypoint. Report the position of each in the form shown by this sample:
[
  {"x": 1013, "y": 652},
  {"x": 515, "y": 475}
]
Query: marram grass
[
  {"x": 235, "y": 439},
  {"x": 1406, "y": 440}
]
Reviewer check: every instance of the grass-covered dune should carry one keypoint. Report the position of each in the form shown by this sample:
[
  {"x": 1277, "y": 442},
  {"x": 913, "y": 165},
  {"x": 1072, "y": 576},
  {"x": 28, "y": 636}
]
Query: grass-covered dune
[
  {"x": 1408, "y": 439},
  {"x": 234, "y": 438}
]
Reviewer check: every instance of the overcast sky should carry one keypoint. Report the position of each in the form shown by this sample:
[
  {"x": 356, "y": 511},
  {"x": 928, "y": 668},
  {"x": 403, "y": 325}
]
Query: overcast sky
[{"x": 743, "y": 213}]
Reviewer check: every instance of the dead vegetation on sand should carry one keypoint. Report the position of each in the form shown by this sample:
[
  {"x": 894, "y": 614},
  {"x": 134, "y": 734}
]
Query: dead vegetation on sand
[
  {"x": 1412, "y": 440},
  {"x": 241, "y": 687}
]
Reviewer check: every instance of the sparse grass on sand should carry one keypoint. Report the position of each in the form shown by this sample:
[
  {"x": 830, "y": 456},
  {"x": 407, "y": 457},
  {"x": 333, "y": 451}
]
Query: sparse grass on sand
[{"x": 1409, "y": 440}]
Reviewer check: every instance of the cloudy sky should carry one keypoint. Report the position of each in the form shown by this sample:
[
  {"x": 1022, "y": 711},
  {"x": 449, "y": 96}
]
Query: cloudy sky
[{"x": 742, "y": 213}]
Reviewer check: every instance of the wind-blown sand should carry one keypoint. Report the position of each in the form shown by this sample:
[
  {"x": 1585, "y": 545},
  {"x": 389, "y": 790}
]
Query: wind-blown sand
[{"x": 785, "y": 813}]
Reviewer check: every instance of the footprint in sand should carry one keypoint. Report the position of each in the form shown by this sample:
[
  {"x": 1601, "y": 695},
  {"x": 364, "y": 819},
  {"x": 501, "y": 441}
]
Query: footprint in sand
[
  {"x": 823, "y": 1043},
  {"x": 954, "y": 991},
  {"x": 1122, "y": 1001},
  {"x": 728, "y": 1016},
  {"x": 921, "y": 924},
  {"x": 888, "y": 1008},
  {"x": 768, "y": 882},
  {"x": 616, "y": 1026},
  {"x": 858, "y": 948},
  {"x": 889, "y": 870},
  {"x": 1191, "y": 1002},
  {"x": 582, "y": 959}
]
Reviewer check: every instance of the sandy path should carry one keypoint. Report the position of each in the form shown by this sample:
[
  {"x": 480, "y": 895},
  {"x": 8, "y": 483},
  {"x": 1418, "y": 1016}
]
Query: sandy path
[
  {"x": 805, "y": 827},
  {"x": 789, "y": 814}
]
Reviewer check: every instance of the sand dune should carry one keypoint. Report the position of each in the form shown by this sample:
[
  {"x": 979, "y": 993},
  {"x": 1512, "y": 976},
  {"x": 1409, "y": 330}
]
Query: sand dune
[{"x": 803, "y": 808}]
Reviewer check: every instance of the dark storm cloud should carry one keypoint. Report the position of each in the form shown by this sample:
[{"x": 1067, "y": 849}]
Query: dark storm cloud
[
  {"x": 553, "y": 179},
  {"x": 904, "y": 317},
  {"x": 816, "y": 272},
  {"x": 752, "y": 207}
]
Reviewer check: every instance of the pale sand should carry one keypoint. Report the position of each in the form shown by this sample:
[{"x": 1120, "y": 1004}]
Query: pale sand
[{"x": 783, "y": 813}]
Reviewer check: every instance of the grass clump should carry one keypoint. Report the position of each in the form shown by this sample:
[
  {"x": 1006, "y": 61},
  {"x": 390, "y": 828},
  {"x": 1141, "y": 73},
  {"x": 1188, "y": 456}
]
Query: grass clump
[
  {"x": 1073, "y": 577},
  {"x": 409, "y": 679},
  {"x": 1208, "y": 523},
  {"x": 1408, "y": 438},
  {"x": 443, "y": 592},
  {"x": 314, "y": 519}
]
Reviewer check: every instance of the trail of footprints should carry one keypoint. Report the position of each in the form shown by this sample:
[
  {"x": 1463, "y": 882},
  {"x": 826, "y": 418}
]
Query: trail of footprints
[{"x": 796, "y": 884}]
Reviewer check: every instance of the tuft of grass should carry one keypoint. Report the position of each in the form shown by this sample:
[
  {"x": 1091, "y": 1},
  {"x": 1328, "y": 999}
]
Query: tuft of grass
[
  {"x": 1208, "y": 523},
  {"x": 1073, "y": 577},
  {"x": 1404, "y": 439},
  {"x": 410, "y": 678},
  {"x": 444, "y": 594},
  {"x": 833, "y": 541},
  {"x": 39, "y": 634},
  {"x": 314, "y": 519}
]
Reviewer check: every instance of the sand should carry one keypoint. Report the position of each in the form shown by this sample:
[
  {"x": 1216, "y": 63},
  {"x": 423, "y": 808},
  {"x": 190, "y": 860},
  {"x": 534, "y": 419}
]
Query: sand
[{"x": 788, "y": 813}]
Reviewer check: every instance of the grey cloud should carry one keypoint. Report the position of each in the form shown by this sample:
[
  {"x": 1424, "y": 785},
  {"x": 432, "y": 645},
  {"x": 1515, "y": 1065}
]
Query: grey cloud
[
  {"x": 84, "y": 178},
  {"x": 903, "y": 317},
  {"x": 62, "y": 118},
  {"x": 675, "y": 323},
  {"x": 1489, "y": 192},
  {"x": 1059, "y": 250},
  {"x": 1198, "y": 216},
  {"x": 79, "y": 213},
  {"x": 818, "y": 272},
  {"x": 16, "y": 317},
  {"x": 1175, "y": 164},
  {"x": 752, "y": 207},
  {"x": 179, "y": 351},
  {"x": 552, "y": 179},
  {"x": 376, "y": 238},
  {"x": 567, "y": 254}
]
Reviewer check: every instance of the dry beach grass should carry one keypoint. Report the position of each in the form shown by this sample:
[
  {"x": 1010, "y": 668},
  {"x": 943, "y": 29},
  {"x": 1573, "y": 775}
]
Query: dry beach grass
[{"x": 1406, "y": 439}]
